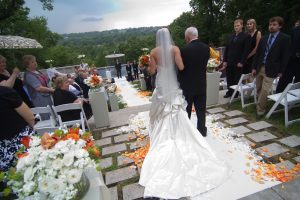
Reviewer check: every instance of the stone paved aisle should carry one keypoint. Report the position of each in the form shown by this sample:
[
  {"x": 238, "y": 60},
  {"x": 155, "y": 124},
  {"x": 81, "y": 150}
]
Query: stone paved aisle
[{"x": 122, "y": 179}]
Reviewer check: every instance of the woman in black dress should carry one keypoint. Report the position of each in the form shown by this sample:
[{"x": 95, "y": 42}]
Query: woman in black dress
[
  {"x": 254, "y": 41},
  {"x": 62, "y": 95}
]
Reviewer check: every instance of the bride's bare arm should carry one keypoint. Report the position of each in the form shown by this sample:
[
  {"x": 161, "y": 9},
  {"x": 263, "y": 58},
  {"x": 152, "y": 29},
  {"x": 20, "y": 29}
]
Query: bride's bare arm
[
  {"x": 153, "y": 65},
  {"x": 178, "y": 59}
]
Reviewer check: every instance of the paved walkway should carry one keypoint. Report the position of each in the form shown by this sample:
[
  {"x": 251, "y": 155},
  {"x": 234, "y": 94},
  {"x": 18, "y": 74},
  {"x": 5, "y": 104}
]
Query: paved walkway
[{"x": 122, "y": 179}]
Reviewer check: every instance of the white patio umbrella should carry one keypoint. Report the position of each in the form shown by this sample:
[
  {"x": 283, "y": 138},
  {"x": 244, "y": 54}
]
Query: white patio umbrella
[
  {"x": 17, "y": 42},
  {"x": 117, "y": 55}
]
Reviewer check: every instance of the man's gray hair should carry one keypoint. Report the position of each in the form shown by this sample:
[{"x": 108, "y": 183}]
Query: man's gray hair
[{"x": 191, "y": 31}]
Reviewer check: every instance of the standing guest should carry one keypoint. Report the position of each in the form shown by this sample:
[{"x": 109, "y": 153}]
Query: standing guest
[
  {"x": 270, "y": 61},
  {"x": 37, "y": 84},
  {"x": 193, "y": 78},
  {"x": 118, "y": 67},
  {"x": 12, "y": 81},
  {"x": 16, "y": 121},
  {"x": 293, "y": 68},
  {"x": 135, "y": 70},
  {"x": 254, "y": 41},
  {"x": 62, "y": 95},
  {"x": 129, "y": 71},
  {"x": 236, "y": 52}
]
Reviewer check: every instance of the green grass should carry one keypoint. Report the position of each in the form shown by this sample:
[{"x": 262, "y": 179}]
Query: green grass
[{"x": 276, "y": 119}]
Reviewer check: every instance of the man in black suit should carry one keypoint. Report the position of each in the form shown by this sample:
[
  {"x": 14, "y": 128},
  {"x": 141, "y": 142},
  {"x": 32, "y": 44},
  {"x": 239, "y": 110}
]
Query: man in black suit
[
  {"x": 293, "y": 68},
  {"x": 135, "y": 70},
  {"x": 236, "y": 52},
  {"x": 270, "y": 61},
  {"x": 193, "y": 78},
  {"x": 129, "y": 71},
  {"x": 118, "y": 67}
]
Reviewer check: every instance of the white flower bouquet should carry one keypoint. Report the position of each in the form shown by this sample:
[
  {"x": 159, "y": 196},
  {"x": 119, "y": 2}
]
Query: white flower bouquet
[
  {"x": 111, "y": 88},
  {"x": 51, "y": 166},
  {"x": 212, "y": 64}
]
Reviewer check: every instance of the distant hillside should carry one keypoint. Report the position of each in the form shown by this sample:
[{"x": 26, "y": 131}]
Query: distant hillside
[{"x": 106, "y": 37}]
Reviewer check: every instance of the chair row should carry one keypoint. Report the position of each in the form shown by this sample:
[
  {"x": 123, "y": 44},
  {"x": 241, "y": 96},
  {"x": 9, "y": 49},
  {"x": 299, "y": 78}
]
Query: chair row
[{"x": 55, "y": 121}]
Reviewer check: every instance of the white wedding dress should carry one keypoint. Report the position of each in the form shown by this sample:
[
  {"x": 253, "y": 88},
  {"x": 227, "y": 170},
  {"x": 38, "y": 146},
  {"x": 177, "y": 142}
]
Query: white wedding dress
[{"x": 180, "y": 163}]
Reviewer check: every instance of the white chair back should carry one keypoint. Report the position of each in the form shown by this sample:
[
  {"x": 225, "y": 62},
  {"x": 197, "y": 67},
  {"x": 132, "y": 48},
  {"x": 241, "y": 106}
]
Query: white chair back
[
  {"x": 67, "y": 107},
  {"x": 50, "y": 123}
]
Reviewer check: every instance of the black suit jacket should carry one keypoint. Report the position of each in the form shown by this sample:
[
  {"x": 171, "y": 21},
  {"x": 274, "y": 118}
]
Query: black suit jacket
[
  {"x": 295, "y": 37},
  {"x": 193, "y": 78},
  {"x": 277, "y": 58},
  {"x": 236, "y": 51}
]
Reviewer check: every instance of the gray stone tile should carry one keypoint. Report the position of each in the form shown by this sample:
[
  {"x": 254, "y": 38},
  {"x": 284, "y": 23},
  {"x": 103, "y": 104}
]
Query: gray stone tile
[
  {"x": 240, "y": 130},
  {"x": 113, "y": 149},
  {"x": 287, "y": 164},
  {"x": 119, "y": 175},
  {"x": 103, "y": 142},
  {"x": 291, "y": 190},
  {"x": 124, "y": 137},
  {"x": 272, "y": 150},
  {"x": 267, "y": 194},
  {"x": 261, "y": 136},
  {"x": 215, "y": 110},
  {"x": 291, "y": 141},
  {"x": 133, "y": 191},
  {"x": 233, "y": 113},
  {"x": 106, "y": 162},
  {"x": 259, "y": 125},
  {"x": 123, "y": 160},
  {"x": 235, "y": 121},
  {"x": 138, "y": 144},
  {"x": 245, "y": 140},
  {"x": 297, "y": 159},
  {"x": 114, "y": 193},
  {"x": 218, "y": 116},
  {"x": 109, "y": 133}
]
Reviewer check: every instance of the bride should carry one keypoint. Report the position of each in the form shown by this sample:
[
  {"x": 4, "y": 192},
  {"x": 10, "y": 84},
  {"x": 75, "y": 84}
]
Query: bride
[{"x": 180, "y": 163}]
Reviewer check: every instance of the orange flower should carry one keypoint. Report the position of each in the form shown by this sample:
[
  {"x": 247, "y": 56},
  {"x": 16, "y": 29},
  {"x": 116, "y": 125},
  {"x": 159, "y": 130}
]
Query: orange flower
[
  {"x": 47, "y": 141},
  {"x": 74, "y": 130},
  {"x": 72, "y": 136},
  {"x": 22, "y": 155},
  {"x": 25, "y": 141}
]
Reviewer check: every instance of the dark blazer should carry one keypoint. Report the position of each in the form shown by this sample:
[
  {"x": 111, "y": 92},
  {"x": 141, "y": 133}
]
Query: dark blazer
[
  {"x": 237, "y": 51},
  {"x": 193, "y": 78},
  {"x": 295, "y": 37},
  {"x": 277, "y": 58}
]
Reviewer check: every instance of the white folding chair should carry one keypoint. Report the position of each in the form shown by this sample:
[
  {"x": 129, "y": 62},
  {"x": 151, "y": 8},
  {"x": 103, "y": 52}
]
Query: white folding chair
[
  {"x": 289, "y": 98},
  {"x": 274, "y": 85},
  {"x": 50, "y": 123},
  {"x": 71, "y": 106},
  {"x": 245, "y": 89}
]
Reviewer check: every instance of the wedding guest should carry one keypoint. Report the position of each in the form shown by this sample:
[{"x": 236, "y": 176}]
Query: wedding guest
[
  {"x": 293, "y": 67},
  {"x": 16, "y": 121},
  {"x": 235, "y": 55},
  {"x": 74, "y": 87},
  {"x": 118, "y": 67},
  {"x": 80, "y": 81},
  {"x": 37, "y": 84},
  {"x": 135, "y": 70},
  {"x": 12, "y": 81},
  {"x": 270, "y": 61},
  {"x": 129, "y": 71},
  {"x": 62, "y": 95},
  {"x": 254, "y": 41}
]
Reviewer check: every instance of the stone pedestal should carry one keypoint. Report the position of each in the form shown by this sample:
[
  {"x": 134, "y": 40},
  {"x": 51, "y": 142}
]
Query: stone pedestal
[
  {"x": 212, "y": 88},
  {"x": 143, "y": 83},
  {"x": 113, "y": 101},
  {"x": 98, "y": 101}
]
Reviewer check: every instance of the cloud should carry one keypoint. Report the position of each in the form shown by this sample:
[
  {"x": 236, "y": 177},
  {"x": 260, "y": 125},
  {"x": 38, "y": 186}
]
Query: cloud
[{"x": 92, "y": 19}]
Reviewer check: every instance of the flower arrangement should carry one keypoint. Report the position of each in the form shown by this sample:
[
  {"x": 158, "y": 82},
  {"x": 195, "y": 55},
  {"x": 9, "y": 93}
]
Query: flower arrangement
[
  {"x": 51, "y": 166},
  {"x": 111, "y": 88},
  {"x": 144, "y": 60},
  {"x": 212, "y": 64},
  {"x": 94, "y": 81}
]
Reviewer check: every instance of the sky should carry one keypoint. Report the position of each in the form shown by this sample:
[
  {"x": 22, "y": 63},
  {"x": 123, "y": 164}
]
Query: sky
[{"x": 73, "y": 16}]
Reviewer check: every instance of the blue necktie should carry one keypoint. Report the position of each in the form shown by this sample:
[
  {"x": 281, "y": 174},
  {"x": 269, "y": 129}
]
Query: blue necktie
[{"x": 268, "y": 47}]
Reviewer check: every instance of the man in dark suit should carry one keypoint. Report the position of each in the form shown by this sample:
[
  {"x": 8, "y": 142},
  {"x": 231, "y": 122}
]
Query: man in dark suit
[
  {"x": 293, "y": 68},
  {"x": 135, "y": 70},
  {"x": 129, "y": 71},
  {"x": 118, "y": 67},
  {"x": 270, "y": 61},
  {"x": 236, "y": 52},
  {"x": 193, "y": 78}
]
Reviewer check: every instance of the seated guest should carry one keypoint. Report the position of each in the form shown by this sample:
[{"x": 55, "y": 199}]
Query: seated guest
[
  {"x": 12, "y": 81},
  {"x": 80, "y": 81},
  {"x": 62, "y": 95},
  {"x": 16, "y": 121},
  {"x": 74, "y": 87}
]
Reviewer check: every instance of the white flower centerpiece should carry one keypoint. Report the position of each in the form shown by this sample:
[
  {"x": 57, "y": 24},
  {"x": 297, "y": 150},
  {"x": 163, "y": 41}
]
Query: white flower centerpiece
[{"x": 52, "y": 166}]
